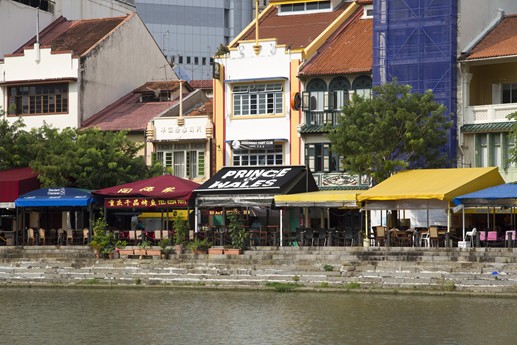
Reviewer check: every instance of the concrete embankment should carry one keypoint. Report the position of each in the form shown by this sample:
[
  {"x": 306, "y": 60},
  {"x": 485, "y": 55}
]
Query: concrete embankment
[{"x": 474, "y": 270}]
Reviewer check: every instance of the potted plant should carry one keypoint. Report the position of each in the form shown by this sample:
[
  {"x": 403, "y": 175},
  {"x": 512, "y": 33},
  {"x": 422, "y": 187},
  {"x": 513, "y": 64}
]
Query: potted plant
[
  {"x": 180, "y": 233},
  {"x": 198, "y": 246},
  {"x": 103, "y": 242},
  {"x": 237, "y": 234},
  {"x": 163, "y": 244},
  {"x": 142, "y": 248}
]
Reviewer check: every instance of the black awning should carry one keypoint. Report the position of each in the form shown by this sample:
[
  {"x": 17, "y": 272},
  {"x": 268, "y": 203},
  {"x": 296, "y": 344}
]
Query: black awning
[{"x": 231, "y": 183}]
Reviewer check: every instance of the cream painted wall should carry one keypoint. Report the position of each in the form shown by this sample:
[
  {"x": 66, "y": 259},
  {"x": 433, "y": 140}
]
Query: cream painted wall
[
  {"x": 125, "y": 60},
  {"x": 484, "y": 76}
]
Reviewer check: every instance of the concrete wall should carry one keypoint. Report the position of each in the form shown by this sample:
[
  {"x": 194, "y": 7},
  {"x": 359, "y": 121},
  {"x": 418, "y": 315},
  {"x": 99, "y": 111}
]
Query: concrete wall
[
  {"x": 18, "y": 25},
  {"x": 476, "y": 15},
  {"x": 125, "y": 60},
  {"x": 84, "y": 9}
]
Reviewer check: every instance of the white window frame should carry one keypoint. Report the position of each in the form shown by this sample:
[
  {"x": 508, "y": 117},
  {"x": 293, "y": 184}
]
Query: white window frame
[{"x": 258, "y": 99}]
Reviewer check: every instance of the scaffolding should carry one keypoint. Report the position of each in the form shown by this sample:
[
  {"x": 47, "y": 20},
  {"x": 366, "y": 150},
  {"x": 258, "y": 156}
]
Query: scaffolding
[{"x": 415, "y": 41}]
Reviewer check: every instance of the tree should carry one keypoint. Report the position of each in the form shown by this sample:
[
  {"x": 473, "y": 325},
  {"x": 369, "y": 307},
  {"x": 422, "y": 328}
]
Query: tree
[
  {"x": 90, "y": 158},
  {"x": 15, "y": 144},
  {"x": 393, "y": 130}
]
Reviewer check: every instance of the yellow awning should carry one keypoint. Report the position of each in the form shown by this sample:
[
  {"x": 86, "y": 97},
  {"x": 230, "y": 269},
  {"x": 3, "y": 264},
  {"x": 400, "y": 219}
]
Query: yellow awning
[
  {"x": 439, "y": 184},
  {"x": 322, "y": 198}
]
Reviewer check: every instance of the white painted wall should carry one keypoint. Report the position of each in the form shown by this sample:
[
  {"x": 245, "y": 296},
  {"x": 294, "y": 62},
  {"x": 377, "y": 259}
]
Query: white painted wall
[
  {"x": 50, "y": 66},
  {"x": 122, "y": 62},
  {"x": 18, "y": 25},
  {"x": 243, "y": 63}
]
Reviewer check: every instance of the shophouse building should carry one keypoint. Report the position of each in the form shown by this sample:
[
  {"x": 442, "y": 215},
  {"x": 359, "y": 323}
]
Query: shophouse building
[
  {"x": 75, "y": 68},
  {"x": 488, "y": 94}
]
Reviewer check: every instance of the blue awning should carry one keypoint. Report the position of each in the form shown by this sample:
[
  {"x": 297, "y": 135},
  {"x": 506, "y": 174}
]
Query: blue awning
[
  {"x": 501, "y": 195},
  {"x": 55, "y": 197}
]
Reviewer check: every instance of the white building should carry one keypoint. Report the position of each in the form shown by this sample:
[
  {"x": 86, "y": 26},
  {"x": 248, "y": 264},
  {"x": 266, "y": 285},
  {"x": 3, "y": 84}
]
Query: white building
[{"x": 77, "y": 68}]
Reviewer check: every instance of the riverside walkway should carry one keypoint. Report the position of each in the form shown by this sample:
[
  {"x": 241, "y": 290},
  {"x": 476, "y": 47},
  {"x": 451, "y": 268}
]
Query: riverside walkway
[{"x": 472, "y": 270}]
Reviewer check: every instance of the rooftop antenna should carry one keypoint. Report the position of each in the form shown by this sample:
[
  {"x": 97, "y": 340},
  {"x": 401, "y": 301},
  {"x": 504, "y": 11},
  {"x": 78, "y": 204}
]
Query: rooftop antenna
[{"x": 36, "y": 45}]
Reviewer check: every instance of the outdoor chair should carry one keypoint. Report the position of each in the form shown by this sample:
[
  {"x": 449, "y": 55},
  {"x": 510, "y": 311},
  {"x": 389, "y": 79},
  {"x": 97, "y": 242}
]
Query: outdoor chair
[
  {"x": 61, "y": 236},
  {"x": 69, "y": 236},
  {"x": 431, "y": 237},
  {"x": 321, "y": 237},
  {"x": 86, "y": 234},
  {"x": 30, "y": 236},
  {"x": 42, "y": 239},
  {"x": 472, "y": 235},
  {"x": 308, "y": 236},
  {"x": 380, "y": 235}
]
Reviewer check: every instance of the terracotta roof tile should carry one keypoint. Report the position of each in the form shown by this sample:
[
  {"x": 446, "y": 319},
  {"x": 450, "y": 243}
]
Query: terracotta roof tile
[
  {"x": 127, "y": 114},
  {"x": 296, "y": 31},
  {"x": 204, "y": 109},
  {"x": 201, "y": 84},
  {"x": 151, "y": 86},
  {"x": 348, "y": 51},
  {"x": 500, "y": 41},
  {"x": 77, "y": 36}
]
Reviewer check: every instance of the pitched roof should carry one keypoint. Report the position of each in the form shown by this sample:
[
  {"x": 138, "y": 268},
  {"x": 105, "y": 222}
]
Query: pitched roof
[
  {"x": 128, "y": 113},
  {"x": 296, "y": 31},
  {"x": 347, "y": 51},
  {"x": 76, "y": 36},
  {"x": 201, "y": 84},
  {"x": 500, "y": 41}
]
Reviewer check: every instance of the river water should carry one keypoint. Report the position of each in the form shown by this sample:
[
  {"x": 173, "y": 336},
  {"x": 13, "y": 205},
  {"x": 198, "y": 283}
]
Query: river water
[{"x": 191, "y": 316}]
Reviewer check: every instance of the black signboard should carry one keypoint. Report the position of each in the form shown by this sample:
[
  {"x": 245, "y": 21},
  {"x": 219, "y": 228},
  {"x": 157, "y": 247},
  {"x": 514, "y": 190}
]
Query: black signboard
[
  {"x": 253, "y": 144},
  {"x": 261, "y": 179}
]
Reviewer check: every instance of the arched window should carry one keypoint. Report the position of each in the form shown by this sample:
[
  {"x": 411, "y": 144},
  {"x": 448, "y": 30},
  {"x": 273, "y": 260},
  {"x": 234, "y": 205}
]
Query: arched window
[
  {"x": 340, "y": 87},
  {"x": 362, "y": 86},
  {"x": 313, "y": 97}
]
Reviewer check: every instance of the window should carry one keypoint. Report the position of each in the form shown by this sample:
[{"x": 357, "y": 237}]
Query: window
[
  {"x": 258, "y": 99},
  {"x": 39, "y": 99},
  {"x": 258, "y": 157},
  {"x": 314, "y": 97},
  {"x": 203, "y": 60},
  {"x": 340, "y": 87},
  {"x": 180, "y": 59},
  {"x": 309, "y": 6},
  {"x": 492, "y": 149},
  {"x": 186, "y": 160},
  {"x": 509, "y": 93},
  {"x": 362, "y": 86},
  {"x": 196, "y": 60},
  {"x": 188, "y": 60},
  {"x": 319, "y": 158}
]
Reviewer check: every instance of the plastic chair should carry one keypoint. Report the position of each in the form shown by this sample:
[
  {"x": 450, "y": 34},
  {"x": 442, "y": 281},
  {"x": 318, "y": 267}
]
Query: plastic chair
[
  {"x": 69, "y": 236},
  {"x": 42, "y": 238},
  {"x": 472, "y": 234},
  {"x": 86, "y": 234},
  {"x": 30, "y": 236}
]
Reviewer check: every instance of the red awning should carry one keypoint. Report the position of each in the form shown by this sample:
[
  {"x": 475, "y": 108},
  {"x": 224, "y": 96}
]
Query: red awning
[
  {"x": 15, "y": 182},
  {"x": 157, "y": 192}
]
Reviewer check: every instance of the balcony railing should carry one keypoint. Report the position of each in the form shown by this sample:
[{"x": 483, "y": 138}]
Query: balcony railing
[
  {"x": 321, "y": 118},
  {"x": 341, "y": 179},
  {"x": 489, "y": 113}
]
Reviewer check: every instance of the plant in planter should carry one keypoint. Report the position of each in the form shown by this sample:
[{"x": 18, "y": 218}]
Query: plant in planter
[
  {"x": 199, "y": 246},
  {"x": 237, "y": 234},
  {"x": 142, "y": 248},
  {"x": 165, "y": 251},
  {"x": 180, "y": 233},
  {"x": 103, "y": 241}
]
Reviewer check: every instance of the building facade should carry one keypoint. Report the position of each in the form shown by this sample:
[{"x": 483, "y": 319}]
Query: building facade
[
  {"x": 190, "y": 32},
  {"x": 74, "y": 69}
]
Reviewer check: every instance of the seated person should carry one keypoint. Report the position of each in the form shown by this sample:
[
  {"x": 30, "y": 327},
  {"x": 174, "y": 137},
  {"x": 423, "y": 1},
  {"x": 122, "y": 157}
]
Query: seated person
[{"x": 256, "y": 225}]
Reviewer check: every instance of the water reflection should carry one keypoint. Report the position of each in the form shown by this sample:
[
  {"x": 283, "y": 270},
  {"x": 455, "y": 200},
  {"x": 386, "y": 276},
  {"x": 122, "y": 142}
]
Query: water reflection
[{"x": 151, "y": 316}]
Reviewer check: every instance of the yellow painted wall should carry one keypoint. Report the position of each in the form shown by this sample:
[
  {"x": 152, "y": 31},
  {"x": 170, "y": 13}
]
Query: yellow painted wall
[
  {"x": 295, "y": 114},
  {"x": 483, "y": 78},
  {"x": 218, "y": 103}
]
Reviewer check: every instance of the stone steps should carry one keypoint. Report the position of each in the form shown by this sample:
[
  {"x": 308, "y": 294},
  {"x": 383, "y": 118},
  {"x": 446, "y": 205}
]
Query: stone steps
[{"x": 442, "y": 269}]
